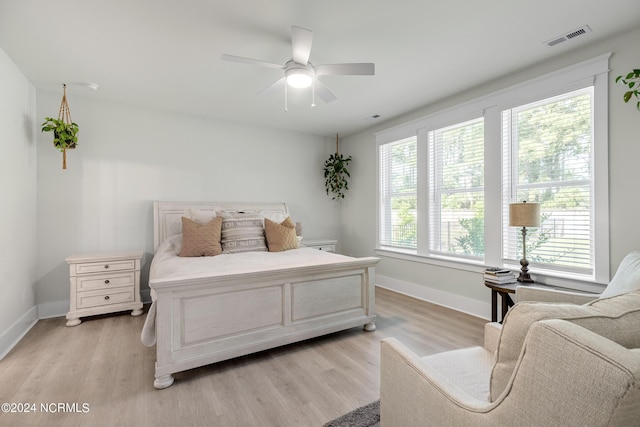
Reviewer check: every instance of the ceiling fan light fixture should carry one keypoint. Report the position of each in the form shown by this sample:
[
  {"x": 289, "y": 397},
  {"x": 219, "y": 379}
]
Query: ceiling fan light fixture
[{"x": 299, "y": 77}]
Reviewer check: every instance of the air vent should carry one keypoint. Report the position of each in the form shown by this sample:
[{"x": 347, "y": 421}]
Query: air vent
[{"x": 570, "y": 35}]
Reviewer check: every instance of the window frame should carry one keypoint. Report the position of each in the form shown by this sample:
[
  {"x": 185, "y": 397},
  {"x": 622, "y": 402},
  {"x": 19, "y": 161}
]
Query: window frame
[{"x": 593, "y": 72}]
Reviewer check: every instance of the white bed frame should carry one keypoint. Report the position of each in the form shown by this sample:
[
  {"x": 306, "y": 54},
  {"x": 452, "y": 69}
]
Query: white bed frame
[{"x": 210, "y": 319}]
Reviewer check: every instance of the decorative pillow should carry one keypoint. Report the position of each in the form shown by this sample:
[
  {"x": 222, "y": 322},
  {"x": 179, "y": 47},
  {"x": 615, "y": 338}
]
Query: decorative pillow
[
  {"x": 616, "y": 318},
  {"x": 242, "y": 232},
  {"x": 280, "y": 237},
  {"x": 627, "y": 278},
  {"x": 201, "y": 239}
]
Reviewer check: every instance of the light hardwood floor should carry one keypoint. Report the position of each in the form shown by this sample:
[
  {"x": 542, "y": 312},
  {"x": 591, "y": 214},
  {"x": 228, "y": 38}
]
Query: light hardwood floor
[{"x": 101, "y": 363}]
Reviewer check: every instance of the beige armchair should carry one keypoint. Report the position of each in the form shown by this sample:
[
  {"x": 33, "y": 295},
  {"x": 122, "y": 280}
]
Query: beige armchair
[{"x": 548, "y": 364}]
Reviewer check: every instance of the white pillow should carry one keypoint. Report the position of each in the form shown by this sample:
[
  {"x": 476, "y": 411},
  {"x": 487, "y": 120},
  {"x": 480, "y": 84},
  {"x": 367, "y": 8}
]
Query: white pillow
[
  {"x": 627, "y": 278},
  {"x": 201, "y": 216},
  {"x": 276, "y": 217}
]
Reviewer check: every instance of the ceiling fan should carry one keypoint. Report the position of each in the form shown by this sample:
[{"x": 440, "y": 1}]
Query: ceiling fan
[{"x": 300, "y": 73}]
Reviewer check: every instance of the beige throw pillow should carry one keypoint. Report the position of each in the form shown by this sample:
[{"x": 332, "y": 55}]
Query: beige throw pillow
[
  {"x": 616, "y": 318},
  {"x": 201, "y": 239},
  {"x": 280, "y": 237}
]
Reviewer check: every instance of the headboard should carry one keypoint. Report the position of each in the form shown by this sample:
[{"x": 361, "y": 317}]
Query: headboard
[{"x": 167, "y": 216}]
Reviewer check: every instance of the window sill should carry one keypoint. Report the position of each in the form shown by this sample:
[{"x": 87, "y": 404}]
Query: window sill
[{"x": 547, "y": 278}]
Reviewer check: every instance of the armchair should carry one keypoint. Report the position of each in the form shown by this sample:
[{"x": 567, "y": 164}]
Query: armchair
[
  {"x": 566, "y": 376},
  {"x": 550, "y": 363}
]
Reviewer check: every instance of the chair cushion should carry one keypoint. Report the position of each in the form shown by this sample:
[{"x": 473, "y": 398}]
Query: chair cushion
[
  {"x": 627, "y": 277},
  {"x": 465, "y": 371},
  {"x": 616, "y": 318}
]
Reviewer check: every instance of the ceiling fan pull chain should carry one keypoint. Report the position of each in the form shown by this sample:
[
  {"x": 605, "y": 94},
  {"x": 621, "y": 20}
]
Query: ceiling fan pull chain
[
  {"x": 285, "y": 98},
  {"x": 313, "y": 93}
]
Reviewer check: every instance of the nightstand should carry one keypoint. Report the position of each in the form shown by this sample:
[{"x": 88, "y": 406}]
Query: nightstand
[
  {"x": 104, "y": 283},
  {"x": 326, "y": 245}
]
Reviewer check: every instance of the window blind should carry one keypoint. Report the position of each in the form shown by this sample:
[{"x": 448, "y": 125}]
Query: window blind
[
  {"x": 398, "y": 194},
  {"x": 456, "y": 193},
  {"x": 547, "y": 159}
]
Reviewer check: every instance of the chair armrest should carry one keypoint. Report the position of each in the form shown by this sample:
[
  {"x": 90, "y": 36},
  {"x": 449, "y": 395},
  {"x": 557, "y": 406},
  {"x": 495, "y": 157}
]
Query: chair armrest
[
  {"x": 539, "y": 294},
  {"x": 561, "y": 372},
  {"x": 411, "y": 393},
  {"x": 492, "y": 333}
]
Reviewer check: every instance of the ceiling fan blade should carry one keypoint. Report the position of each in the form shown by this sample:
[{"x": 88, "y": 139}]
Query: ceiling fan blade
[
  {"x": 356, "y": 69},
  {"x": 323, "y": 92},
  {"x": 243, "y": 60},
  {"x": 301, "y": 40},
  {"x": 277, "y": 85}
]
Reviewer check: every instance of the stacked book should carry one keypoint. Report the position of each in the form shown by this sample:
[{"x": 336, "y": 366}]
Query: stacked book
[{"x": 499, "y": 275}]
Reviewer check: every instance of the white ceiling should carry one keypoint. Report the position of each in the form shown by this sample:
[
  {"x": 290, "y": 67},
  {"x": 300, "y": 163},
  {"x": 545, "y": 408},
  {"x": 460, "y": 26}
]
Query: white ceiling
[{"x": 166, "y": 53}]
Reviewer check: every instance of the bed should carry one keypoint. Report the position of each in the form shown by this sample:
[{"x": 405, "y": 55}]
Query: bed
[{"x": 208, "y": 309}]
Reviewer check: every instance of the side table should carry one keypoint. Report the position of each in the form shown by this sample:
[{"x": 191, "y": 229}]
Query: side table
[
  {"x": 504, "y": 290},
  {"x": 103, "y": 283},
  {"x": 327, "y": 245}
]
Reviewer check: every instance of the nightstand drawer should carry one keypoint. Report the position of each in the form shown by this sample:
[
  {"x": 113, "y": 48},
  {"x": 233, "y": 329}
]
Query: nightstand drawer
[
  {"x": 327, "y": 245},
  {"x": 100, "y": 267},
  {"x": 95, "y": 299},
  {"x": 105, "y": 281}
]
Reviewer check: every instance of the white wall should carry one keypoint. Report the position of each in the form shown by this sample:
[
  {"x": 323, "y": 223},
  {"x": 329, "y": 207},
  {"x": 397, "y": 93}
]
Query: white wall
[
  {"x": 463, "y": 289},
  {"x": 127, "y": 157},
  {"x": 17, "y": 204}
]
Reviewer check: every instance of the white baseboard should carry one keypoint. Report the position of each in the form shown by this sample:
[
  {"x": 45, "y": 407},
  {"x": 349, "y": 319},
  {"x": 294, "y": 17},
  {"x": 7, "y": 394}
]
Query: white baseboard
[
  {"x": 11, "y": 337},
  {"x": 456, "y": 302},
  {"x": 53, "y": 309}
]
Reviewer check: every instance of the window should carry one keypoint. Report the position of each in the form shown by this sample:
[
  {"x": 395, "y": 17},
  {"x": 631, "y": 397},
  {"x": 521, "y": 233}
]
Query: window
[
  {"x": 456, "y": 191},
  {"x": 398, "y": 196},
  {"x": 445, "y": 181},
  {"x": 547, "y": 150}
]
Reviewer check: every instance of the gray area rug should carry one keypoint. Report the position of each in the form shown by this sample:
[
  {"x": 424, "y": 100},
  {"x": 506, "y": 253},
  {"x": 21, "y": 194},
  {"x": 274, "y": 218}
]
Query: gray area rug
[{"x": 365, "y": 416}]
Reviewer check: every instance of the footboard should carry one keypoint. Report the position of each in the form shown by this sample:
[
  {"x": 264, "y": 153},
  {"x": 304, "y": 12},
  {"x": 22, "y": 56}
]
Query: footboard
[{"x": 203, "y": 321}]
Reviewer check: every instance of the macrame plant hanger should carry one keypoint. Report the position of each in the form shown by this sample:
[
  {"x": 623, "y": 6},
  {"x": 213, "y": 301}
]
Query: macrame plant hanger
[{"x": 65, "y": 115}]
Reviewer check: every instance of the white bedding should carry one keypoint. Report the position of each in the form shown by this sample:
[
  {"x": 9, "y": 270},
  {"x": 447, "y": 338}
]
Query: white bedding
[{"x": 167, "y": 266}]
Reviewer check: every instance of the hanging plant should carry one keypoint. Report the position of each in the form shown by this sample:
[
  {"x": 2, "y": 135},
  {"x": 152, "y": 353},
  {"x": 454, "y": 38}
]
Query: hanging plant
[
  {"x": 65, "y": 131},
  {"x": 336, "y": 174},
  {"x": 64, "y": 134},
  {"x": 632, "y": 81}
]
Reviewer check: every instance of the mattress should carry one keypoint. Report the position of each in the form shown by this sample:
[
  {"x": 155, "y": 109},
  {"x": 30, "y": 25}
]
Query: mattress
[{"x": 168, "y": 266}]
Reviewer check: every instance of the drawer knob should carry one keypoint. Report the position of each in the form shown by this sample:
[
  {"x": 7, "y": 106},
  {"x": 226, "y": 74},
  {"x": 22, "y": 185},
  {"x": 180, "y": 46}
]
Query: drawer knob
[
  {"x": 106, "y": 297},
  {"x": 106, "y": 266},
  {"x": 106, "y": 282}
]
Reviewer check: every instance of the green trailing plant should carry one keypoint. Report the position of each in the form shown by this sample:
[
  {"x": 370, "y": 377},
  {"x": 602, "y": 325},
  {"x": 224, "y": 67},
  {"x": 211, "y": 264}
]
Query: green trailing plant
[
  {"x": 336, "y": 174},
  {"x": 65, "y": 135},
  {"x": 65, "y": 131},
  {"x": 632, "y": 81}
]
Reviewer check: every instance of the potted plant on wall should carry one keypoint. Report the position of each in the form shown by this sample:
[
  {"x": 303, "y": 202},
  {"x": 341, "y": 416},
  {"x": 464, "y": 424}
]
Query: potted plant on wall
[
  {"x": 65, "y": 131},
  {"x": 632, "y": 81},
  {"x": 336, "y": 174}
]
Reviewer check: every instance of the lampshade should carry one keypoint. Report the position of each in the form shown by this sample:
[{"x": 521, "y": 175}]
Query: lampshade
[{"x": 524, "y": 214}]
